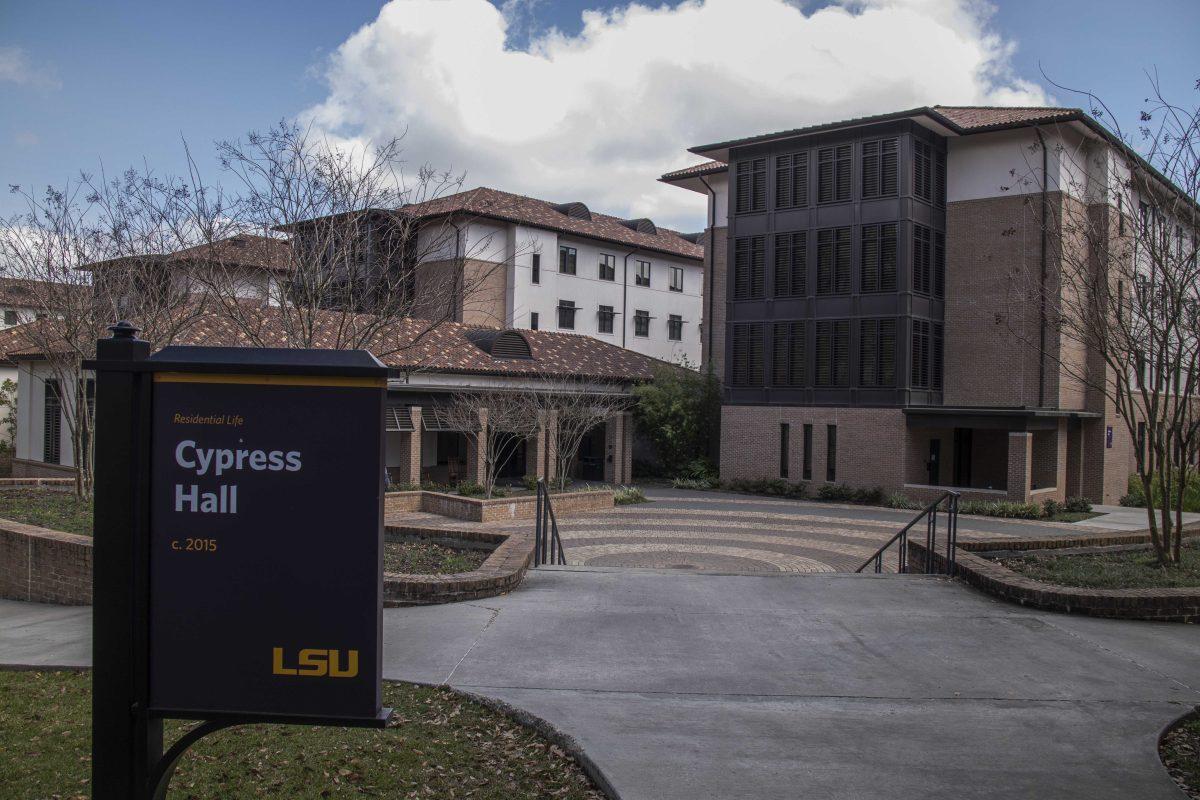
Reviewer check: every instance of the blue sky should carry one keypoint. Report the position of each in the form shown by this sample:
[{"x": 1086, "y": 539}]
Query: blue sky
[{"x": 120, "y": 82}]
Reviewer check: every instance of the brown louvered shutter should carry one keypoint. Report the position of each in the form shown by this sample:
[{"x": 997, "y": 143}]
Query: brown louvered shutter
[
  {"x": 825, "y": 166},
  {"x": 742, "y": 203},
  {"x": 799, "y": 264},
  {"x": 889, "y": 167},
  {"x": 825, "y": 261},
  {"x": 800, "y": 180},
  {"x": 920, "y": 259},
  {"x": 755, "y": 364},
  {"x": 939, "y": 179},
  {"x": 779, "y": 354},
  {"x": 936, "y": 358},
  {"x": 783, "y": 181},
  {"x": 741, "y": 356},
  {"x": 887, "y": 352},
  {"x": 870, "y": 169},
  {"x": 758, "y": 197},
  {"x": 888, "y": 244},
  {"x": 783, "y": 264},
  {"x": 842, "y": 265},
  {"x": 939, "y": 264},
  {"x": 869, "y": 256},
  {"x": 758, "y": 266},
  {"x": 844, "y": 161},
  {"x": 797, "y": 355},
  {"x": 824, "y": 353},
  {"x": 868, "y": 352},
  {"x": 741, "y": 269},
  {"x": 841, "y": 352},
  {"x": 920, "y": 354},
  {"x": 922, "y": 170}
]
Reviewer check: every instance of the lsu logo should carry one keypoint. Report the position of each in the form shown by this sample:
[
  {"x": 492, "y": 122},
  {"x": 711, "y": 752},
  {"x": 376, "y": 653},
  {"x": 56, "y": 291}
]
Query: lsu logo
[{"x": 312, "y": 663}]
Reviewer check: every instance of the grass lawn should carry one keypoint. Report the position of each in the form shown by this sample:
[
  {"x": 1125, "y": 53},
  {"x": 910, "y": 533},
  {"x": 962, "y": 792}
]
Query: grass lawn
[
  {"x": 1131, "y": 569},
  {"x": 47, "y": 508},
  {"x": 425, "y": 558},
  {"x": 439, "y": 746},
  {"x": 1180, "y": 753}
]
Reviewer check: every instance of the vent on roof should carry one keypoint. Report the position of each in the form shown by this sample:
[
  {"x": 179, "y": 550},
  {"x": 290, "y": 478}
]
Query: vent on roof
[
  {"x": 574, "y": 210},
  {"x": 642, "y": 225},
  {"x": 501, "y": 344}
]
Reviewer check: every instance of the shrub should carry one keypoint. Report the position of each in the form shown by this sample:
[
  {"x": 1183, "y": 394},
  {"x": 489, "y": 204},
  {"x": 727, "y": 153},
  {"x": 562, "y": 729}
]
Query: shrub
[
  {"x": 680, "y": 413},
  {"x": 1137, "y": 495},
  {"x": 404, "y": 487},
  {"x": 1077, "y": 505},
  {"x": 1051, "y": 508},
  {"x": 1000, "y": 508},
  {"x": 530, "y": 482},
  {"x": 499, "y": 491},
  {"x": 469, "y": 489},
  {"x": 772, "y": 487},
  {"x": 699, "y": 469},
  {"x": 628, "y": 495},
  {"x": 899, "y": 500},
  {"x": 702, "y": 484}
]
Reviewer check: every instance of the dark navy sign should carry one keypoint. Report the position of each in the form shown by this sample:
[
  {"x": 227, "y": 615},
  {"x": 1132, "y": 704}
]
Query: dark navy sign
[{"x": 266, "y": 543}]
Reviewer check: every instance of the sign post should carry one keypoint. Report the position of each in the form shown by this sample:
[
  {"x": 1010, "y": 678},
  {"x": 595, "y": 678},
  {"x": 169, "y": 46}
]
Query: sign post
[{"x": 238, "y": 564}]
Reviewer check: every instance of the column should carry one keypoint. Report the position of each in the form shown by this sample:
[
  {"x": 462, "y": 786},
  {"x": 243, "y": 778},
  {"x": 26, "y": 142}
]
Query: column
[
  {"x": 550, "y": 464},
  {"x": 477, "y": 451},
  {"x": 535, "y": 450},
  {"x": 410, "y": 449},
  {"x": 626, "y": 466},
  {"x": 618, "y": 445},
  {"x": 1020, "y": 465}
]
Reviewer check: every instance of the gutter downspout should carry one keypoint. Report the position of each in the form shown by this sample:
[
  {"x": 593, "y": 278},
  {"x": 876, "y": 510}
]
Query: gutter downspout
[
  {"x": 709, "y": 251},
  {"x": 1042, "y": 284},
  {"x": 625, "y": 296}
]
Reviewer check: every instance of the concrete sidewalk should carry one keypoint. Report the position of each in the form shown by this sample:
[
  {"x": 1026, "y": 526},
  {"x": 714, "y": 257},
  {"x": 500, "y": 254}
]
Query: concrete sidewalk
[
  {"x": 1120, "y": 518},
  {"x": 820, "y": 686}
]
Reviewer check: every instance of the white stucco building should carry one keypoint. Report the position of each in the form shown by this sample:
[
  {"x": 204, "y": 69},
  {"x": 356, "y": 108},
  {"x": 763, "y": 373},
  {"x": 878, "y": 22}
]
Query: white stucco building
[{"x": 535, "y": 265}]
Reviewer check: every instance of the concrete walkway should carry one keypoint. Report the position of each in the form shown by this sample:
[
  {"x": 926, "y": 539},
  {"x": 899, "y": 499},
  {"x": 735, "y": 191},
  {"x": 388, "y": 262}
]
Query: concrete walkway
[
  {"x": 818, "y": 686},
  {"x": 1120, "y": 518}
]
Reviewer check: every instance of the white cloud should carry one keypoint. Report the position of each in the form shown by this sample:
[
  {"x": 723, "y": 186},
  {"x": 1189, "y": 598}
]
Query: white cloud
[
  {"x": 599, "y": 116},
  {"x": 15, "y": 67}
]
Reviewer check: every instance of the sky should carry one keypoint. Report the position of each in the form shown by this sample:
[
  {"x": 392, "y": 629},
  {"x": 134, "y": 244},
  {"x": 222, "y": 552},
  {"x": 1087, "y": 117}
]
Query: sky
[{"x": 585, "y": 100}]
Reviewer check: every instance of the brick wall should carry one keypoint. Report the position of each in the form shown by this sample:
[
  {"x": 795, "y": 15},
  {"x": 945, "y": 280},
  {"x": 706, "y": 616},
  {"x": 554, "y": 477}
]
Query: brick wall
[
  {"x": 475, "y": 509},
  {"x": 750, "y": 443},
  {"x": 486, "y": 297},
  {"x": 716, "y": 256},
  {"x": 28, "y": 468},
  {"x": 44, "y": 566}
]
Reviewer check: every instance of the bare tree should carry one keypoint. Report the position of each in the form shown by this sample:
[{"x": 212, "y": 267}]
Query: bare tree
[
  {"x": 1124, "y": 300},
  {"x": 92, "y": 253},
  {"x": 577, "y": 406},
  {"x": 496, "y": 423},
  {"x": 359, "y": 262}
]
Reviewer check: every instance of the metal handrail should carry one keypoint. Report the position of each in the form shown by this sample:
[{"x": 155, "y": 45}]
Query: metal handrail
[
  {"x": 930, "y": 515},
  {"x": 547, "y": 545}
]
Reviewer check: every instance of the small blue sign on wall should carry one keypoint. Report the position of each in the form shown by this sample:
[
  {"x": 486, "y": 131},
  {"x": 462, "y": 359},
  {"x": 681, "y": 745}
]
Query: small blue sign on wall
[{"x": 1108, "y": 437}]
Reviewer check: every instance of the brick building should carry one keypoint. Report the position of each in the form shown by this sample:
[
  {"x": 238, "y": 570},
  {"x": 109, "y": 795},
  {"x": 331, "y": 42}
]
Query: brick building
[{"x": 860, "y": 291}]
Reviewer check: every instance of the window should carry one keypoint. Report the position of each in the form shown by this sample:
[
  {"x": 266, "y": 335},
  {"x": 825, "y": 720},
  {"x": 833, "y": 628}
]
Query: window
[
  {"x": 923, "y": 170},
  {"x": 747, "y": 366},
  {"x": 831, "y": 453},
  {"x": 791, "y": 180},
  {"x": 606, "y": 319},
  {"x": 676, "y": 279},
  {"x": 533, "y": 320},
  {"x": 642, "y": 276},
  {"x": 787, "y": 354},
  {"x": 641, "y": 323},
  {"x": 791, "y": 264},
  {"x": 880, "y": 168},
  {"x": 877, "y": 352},
  {"x": 1120, "y": 215},
  {"x": 608, "y": 267},
  {"x": 833, "y": 174},
  {"x": 877, "y": 272},
  {"x": 784, "y": 434},
  {"x": 920, "y": 259},
  {"x": 833, "y": 352},
  {"x": 535, "y": 268},
  {"x": 939, "y": 179},
  {"x": 939, "y": 264},
  {"x": 927, "y": 355},
  {"x": 566, "y": 314},
  {"x": 10, "y": 317},
  {"x": 566, "y": 259},
  {"x": 675, "y": 328},
  {"x": 749, "y": 266},
  {"x": 52, "y": 424},
  {"x": 751, "y": 186},
  {"x": 806, "y": 469},
  {"x": 833, "y": 261}
]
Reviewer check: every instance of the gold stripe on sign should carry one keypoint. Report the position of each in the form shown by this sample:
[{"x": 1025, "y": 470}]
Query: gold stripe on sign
[{"x": 270, "y": 380}]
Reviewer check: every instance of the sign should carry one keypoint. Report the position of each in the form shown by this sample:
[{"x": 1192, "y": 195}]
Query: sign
[
  {"x": 1108, "y": 437},
  {"x": 266, "y": 533}
]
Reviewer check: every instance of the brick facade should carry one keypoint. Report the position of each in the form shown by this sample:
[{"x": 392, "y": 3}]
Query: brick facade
[
  {"x": 618, "y": 446},
  {"x": 44, "y": 566}
]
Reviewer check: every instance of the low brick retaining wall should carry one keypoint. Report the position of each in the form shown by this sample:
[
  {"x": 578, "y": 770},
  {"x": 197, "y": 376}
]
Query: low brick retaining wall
[
  {"x": 497, "y": 509},
  {"x": 501, "y": 572},
  {"x": 44, "y": 566},
  {"x": 1164, "y": 605}
]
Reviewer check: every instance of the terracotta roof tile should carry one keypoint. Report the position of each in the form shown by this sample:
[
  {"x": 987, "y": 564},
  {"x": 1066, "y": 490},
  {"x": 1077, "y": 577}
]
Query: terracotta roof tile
[
  {"x": 696, "y": 170},
  {"x": 24, "y": 293},
  {"x": 248, "y": 250},
  {"x": 517, "y": 208},
  {"x": 974, "y": 118}
]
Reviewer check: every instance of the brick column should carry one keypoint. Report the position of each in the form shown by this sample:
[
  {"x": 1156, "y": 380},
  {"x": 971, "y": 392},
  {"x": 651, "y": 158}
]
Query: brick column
[
  {"x": 535, "y": 449},
  {"x": 612, "y": 437},
  {"x": 476, "y": 466},
  {"x": 410, "y": 449},
  {"x": 550, "y": 445},
  {"x": 618, "y": 446},
  {"x": 1020, "y": 465},
  {"x": 1075, "y": 460}
]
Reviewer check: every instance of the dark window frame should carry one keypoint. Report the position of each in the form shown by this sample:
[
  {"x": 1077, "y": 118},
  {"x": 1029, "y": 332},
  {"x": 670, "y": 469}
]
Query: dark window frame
[
  {"x": 533, "y": 320},
  {"x": 791, "y": 180},
  {"x": 832, "y": 356},
  {"x": 638, "y": 278},
  {"x": 566, "y": 315},
  {"x": 641, "y": 323},
  {"x": 535, "y": 268},
  {"x": 675, "y": 327},
  {"x": 676, "y": 285},
  {"x": 51, "y": 422},
  {"x": 751, "y": 190},
  {"x": 785, "y": 431},
  {"x": 791, "y": 264},
  {"x": 880, "y": 167},
  {"x": 749, "y": 267},
  {"x": 835, "y": 173},
  {"x": 568, "y": 259},
  {"x": 789, "y": 354},
  {"x": 835, "y": 252},
  {"x": 746, "y": 354},
  {"x": 877, "y": 352},
  {"x": 807, "y": 464},
  {"x": 831, "y": 453},
  {"x": 878, "y": 257},
  {"x": 606, "y": 316},
  {"x": 608, "y": 267}
]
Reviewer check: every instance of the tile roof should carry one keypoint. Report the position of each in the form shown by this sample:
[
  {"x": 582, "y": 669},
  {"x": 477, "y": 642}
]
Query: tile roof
[
  {"x": 696, "y": 170},
  {"x": 248, "y": 250},
  {"x": 411, "y": 345},
  {"x": 517, "y": 208},
  {"x": 25, "y": 293},
  {"x": 975, "y": 118}
]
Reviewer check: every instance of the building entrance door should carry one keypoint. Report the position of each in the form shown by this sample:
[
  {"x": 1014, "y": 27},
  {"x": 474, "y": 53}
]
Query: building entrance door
[
  {"x": 935, "y": 461},
  {"x": 962, "y": 456}
]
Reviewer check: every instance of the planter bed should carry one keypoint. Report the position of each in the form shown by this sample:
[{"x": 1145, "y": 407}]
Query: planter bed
[
  {"x": 512, "y": 555},
  {"x": 496, "y": 509}
]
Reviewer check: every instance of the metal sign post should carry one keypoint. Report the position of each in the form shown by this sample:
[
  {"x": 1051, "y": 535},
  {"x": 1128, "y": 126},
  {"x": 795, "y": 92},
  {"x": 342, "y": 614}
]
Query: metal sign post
[{"x": 238, "y": 547}]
